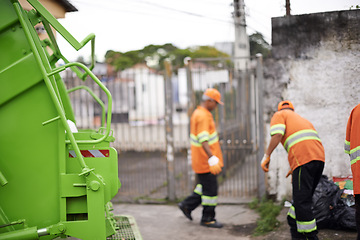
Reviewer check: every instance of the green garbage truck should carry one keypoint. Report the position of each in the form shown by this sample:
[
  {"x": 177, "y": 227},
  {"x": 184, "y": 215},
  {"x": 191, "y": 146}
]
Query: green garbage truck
[{"x": 55, "y": 181}]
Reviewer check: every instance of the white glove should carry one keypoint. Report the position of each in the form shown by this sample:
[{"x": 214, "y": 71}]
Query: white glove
[{"x": 214, "y": 165}]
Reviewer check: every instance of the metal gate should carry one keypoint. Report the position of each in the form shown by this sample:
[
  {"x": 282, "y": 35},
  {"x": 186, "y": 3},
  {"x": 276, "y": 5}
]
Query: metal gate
[
  {"x": 139, "y": 127},
  {"x": 238, "y": 121}
]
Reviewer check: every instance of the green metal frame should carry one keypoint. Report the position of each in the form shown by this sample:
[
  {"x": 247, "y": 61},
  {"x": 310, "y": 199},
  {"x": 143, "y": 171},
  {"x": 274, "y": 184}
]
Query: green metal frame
[
  {"x": 51, "y": 20},
  {"x": 97, "y": 99},
  {"x": 93, "y": 186},
  {"x": 45, "y": 70}
]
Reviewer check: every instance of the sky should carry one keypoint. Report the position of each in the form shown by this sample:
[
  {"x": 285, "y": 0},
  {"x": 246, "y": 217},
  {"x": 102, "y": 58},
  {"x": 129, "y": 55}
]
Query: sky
[{"x": 125, "y": 25}]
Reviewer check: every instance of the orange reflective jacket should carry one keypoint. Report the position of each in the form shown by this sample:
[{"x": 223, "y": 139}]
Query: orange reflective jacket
[
  {"x": 202, "y": 128},
  {"x": 352, "y": 146},
  {"x": 300, "y": 138}
]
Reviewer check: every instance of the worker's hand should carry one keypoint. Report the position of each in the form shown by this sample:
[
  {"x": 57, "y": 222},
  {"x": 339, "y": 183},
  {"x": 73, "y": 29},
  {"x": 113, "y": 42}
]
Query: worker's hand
[
  {"x": 214, "y": 165},
  {"x": 265, "y": 163},
  {"x": 289, "y": 173}
]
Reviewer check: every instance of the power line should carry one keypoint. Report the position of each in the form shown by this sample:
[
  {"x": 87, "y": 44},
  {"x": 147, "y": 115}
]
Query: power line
[
  {"x": 144, "y": 2},
  {"x": 180, "y": 11},
  {"x": 153, "y": 5}
]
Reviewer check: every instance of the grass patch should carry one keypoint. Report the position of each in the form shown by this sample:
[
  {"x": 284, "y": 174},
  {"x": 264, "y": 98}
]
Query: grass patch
[{"x": 268, "y": 212}]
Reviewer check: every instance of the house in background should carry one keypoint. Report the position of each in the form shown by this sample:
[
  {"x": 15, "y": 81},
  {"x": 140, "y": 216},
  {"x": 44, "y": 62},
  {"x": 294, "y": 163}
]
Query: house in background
[
  {"x": 58, "y": 8},
  {"x": 146, "y": 96}
]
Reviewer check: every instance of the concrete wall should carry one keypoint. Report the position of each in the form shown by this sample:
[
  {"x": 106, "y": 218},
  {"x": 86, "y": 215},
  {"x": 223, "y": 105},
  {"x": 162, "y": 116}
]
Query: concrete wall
[{"x": 315, "y": 64}]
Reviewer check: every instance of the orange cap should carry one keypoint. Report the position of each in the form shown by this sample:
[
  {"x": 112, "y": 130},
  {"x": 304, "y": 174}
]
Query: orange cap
[
  {"x": 214, "y": 94},
  {"x": 285, "y": 104}
]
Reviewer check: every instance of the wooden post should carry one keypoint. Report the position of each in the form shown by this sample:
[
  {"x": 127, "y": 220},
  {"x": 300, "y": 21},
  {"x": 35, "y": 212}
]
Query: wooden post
[{"x": 287, "y": 6}]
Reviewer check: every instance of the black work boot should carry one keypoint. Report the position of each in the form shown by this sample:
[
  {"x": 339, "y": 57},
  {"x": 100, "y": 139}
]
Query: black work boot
[
  {"x": 185, "y": 210},
  {"x": 211, "y": 224}
]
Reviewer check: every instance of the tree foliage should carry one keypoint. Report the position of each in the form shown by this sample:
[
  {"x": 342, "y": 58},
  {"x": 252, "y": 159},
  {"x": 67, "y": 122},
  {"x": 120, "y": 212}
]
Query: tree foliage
[
  {"x": 154, "y": 55},
  {"x": 259, "y": 45}
]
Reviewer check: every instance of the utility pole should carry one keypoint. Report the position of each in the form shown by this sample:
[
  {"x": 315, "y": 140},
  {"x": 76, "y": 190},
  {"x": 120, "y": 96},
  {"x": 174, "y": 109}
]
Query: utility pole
[
  {"x": 287, "y": 5},
  {"x": 241, "y": 46},
  {"x": 241, "y": 63}
]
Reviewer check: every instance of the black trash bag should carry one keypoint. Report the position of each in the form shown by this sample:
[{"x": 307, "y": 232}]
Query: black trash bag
[
  {"x": 329, "y": 209},
  {"x": 344, "y": 216},
  {"x": 323, "y": 201}
]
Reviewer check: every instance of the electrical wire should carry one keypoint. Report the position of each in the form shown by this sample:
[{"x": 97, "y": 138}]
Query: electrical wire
[
  {"x": 101, "y": 6},
  {"x": 159, "y": 6}
]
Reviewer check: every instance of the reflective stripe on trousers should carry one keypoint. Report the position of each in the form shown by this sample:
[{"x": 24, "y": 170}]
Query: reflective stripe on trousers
[
  {"x": 205, "y": 200},
  {"x": 208, "y": 201},
  {"x": 198, "y": 189},
  {"x": 302, "y": 226}
]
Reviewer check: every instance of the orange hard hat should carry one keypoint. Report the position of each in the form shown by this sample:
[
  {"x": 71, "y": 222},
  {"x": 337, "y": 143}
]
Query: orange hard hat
[
  {"x": 214, "y": 94},
  {"x": 285, "y": 104}
]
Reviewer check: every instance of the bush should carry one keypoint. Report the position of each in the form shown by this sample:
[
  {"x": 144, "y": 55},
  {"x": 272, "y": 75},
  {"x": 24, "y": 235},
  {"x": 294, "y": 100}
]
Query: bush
[{"x": 268, "y": 212}]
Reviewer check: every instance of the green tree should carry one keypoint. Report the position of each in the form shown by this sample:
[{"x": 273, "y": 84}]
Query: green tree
[
  {"x": 121, "y": 61},
  {"x": 207, "y": 52},
  {"x": 154, "y": 56},
  {"x": 259, "y": 45}
]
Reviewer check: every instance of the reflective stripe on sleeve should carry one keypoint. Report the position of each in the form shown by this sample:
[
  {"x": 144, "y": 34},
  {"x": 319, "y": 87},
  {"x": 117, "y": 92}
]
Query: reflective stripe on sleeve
[
  {"x": 299, "y": 137},
  {"x": 194, "y": 141},
  {"x": 213, "y": 138},
  {"x": 277, "y": 128},
  {"x": 354, "y": 155},
  {"x": 204, "y": 136},
  {"x": 347, "y": 147}
]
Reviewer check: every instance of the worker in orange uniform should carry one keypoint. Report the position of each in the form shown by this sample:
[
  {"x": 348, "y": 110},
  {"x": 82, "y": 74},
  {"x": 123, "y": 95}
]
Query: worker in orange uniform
[
  {"x": 306, "y": 158},
  {"x": 207, "y": 160},
  {"x": 352, "y": 147}
]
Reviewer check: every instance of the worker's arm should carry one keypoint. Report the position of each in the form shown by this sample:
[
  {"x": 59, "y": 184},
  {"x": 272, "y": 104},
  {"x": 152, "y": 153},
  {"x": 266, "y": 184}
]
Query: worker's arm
[
  {"x": 274, "y": 141},
  {"x": 206, "y": 148},
  {"x": 213, "y": 161}
]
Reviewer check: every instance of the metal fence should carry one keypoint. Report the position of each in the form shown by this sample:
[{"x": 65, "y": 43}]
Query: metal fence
[
  {"x": 238, "y": 121},
  {"x": 139, "y": 127},
  {"x": 138, "y": 124}
]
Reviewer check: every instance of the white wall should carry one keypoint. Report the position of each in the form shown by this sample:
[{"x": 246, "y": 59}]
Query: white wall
[
  {"x": 324, "y": 86},
  {"x": 150, "y": 97}
]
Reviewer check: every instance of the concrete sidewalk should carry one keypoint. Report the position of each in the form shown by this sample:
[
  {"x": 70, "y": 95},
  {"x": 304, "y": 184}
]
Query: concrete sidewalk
[{"x": 167, "y": 222}]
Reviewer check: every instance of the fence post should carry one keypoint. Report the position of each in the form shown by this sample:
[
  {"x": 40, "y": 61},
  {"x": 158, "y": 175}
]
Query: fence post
[
  {"x": 170, "y": 157},
  {"x": 260, "y": 153},
  {"x": 190, "y": 109},
  {"x": 222, "y": 125}
]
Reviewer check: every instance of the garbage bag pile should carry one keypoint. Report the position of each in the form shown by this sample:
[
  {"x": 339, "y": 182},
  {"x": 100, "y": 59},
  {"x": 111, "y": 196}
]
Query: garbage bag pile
[{"x": 330, "y": 209}]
